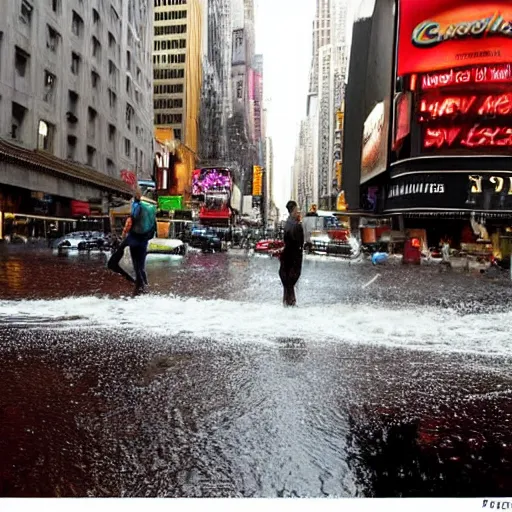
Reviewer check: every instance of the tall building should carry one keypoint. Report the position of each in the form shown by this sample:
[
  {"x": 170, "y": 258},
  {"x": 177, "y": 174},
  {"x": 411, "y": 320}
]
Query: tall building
[
  {"x": 75, "y": 103},
  {"x": 321, "y": 37},
  {"x": 322, "y": 151},
  {"x": 215, "y": 107},
  {"x": 177, "y": 63}
]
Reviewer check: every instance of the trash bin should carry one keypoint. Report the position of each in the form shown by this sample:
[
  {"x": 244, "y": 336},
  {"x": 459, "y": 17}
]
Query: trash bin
[{"x": 412, "y": 252}]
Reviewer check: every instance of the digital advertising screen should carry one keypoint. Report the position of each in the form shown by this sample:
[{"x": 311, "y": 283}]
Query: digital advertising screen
[
  {"x": 444, "y": 34},
  {"x": 456, "y": 57},
  {"x": 211, "y": 180}
]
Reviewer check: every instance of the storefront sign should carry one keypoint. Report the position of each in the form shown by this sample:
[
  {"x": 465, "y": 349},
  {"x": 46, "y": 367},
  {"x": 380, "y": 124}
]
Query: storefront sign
[
  {"x": 170, "y": 203},
  {"x": 443, "y": 34},
  {"x": 450, "y": 191},
  {"x": 80, "y": 209},
  {"x": 129, "y": 177}
]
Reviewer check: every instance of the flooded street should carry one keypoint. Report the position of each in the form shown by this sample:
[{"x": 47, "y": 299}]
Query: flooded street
[{"x": 207, "y": 387}]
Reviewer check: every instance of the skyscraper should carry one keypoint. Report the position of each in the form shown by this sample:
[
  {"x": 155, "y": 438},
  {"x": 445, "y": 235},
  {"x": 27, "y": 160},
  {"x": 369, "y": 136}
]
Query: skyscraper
[
  {"x": 177, "y": 62},
  {"x": 325, "y": 97}
]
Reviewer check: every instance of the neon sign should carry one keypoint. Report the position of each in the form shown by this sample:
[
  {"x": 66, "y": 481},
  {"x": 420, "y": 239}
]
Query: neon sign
[
  {"x": 431, "y": 33},
  {"x": 490, "y": 105},
  {"x": 476, "y": 136},
  {"x": 477, "y": 75}
]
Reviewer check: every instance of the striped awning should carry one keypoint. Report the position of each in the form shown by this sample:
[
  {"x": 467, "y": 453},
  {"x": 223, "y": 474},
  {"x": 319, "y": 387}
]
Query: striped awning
[{"x": 50, "y": 164}]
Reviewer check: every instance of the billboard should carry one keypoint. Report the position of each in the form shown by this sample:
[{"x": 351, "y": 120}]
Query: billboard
[
  {"x": 257, "y": 181},
  {"x": 210, "y": 181},
  {"x": 377, "y": 87},
  {"x": 443, "y": 34}
]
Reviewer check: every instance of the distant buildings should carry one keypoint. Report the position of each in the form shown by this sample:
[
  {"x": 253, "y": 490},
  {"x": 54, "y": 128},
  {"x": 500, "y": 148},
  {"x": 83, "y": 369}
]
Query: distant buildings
[
  {"x": 317, "y": 166},
  {"x": 232, "y": 112}
]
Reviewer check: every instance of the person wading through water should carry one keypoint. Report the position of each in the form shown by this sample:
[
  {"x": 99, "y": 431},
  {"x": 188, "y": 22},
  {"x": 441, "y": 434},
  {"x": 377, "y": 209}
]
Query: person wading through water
[
  {"x": 291, "y": 257},
  {"x": 139, "y": 229}
]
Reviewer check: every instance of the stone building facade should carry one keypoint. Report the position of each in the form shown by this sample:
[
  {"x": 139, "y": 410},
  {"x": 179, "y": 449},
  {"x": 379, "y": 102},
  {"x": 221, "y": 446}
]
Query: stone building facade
[{"x": 75, "y": 100}]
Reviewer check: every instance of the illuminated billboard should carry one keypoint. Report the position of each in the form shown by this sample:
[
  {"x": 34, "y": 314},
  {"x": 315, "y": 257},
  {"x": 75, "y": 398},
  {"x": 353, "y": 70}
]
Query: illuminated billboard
[
  {"x": 211, "y": 180},
  {"x": 444, "y": 34},
  {"x": 257, "y": 181},
  {"x": 375, "y": 142}
]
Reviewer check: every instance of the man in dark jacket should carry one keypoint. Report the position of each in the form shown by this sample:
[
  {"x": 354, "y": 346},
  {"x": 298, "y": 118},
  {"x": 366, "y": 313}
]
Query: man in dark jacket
[{"x": 291, "y": 257}]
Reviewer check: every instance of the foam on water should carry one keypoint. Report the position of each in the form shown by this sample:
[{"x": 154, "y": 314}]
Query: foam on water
[{"x": 439, "y": 330}]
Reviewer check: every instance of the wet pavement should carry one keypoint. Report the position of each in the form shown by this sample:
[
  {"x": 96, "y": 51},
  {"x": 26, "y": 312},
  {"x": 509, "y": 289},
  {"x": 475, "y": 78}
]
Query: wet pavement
[{"x": 208, "y": 387}]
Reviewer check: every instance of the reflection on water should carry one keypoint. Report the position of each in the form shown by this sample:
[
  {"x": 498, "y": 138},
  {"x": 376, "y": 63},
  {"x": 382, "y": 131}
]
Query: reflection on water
[{"x": 405, "y": 459}]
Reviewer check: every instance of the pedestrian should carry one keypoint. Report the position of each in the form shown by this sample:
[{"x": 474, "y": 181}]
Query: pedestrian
[
  {"x": 139, "y": 229},
  {"x": 291, "y": 257}
]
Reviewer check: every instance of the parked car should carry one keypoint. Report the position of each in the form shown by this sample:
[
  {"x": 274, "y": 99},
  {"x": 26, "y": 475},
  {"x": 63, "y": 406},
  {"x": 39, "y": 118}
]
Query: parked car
[{"x": 82, "y": 241}]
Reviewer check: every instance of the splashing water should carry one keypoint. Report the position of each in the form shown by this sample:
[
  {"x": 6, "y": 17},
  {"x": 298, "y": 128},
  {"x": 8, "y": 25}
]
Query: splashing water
[{"x": 427, "y": 328}]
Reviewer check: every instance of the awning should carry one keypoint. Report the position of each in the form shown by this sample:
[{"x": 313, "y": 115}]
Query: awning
[{"x": 50, "y": 164}]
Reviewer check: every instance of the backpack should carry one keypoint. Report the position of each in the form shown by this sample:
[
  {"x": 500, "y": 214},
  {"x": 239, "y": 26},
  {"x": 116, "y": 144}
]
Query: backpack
[{"x": 144, "y": 222}]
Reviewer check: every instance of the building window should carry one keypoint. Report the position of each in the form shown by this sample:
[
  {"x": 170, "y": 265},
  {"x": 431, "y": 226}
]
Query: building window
[
  {"x": 49, "y": 86},
  {"x": 112, "y": 133},
  {"x": 111, "y": 168},
  {"x": 52, "y": 39},
  {"x": 72, "y": 107},
  {"x": 96, "y": 17},
  {"x": 91, "y": 156},
  {"x": 77, "y": 25},
  {"x": 26, "y": 12},
  {"x": 55, "y": 6},
  {"x": 177, "y": 134},
  {"x": 95, "y": 80},
  {"x": 128, "y": 60},
  {"x": 130, "y": 114},
  {"x": 128, "y": 86},
  {"x": 127, "y": 148},
  {"x": 21, "y": 60},
  {"x": 113, "y": 73},
  {"x": 46, "y": 132},
  {"x": 71, "y": 154},
  {"x": 75, "y": 63},
  {"x": 96, "y": 48},
  {"x": 112, "y": 98},
  {"x": 18, "y": 119},
  {"x": 91, "y": 128}
]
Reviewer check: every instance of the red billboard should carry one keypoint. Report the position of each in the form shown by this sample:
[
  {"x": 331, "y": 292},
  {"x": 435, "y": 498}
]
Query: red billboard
[{"x": 444, "y": 34}]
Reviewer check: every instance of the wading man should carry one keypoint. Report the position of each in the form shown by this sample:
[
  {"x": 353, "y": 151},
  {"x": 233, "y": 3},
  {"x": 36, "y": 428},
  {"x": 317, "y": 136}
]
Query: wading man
[
  {"x": 139, "y": 230},
  {"x": 291, "y": 257}
]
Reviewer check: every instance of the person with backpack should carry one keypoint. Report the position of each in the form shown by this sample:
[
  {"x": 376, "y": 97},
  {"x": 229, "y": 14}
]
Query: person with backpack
[{"x": 139, "y": 229}]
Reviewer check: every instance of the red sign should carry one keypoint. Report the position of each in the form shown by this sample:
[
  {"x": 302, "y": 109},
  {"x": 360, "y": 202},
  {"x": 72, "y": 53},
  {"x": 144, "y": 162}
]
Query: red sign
[
  {"x": 444, "y": 34},
  {"x": 446, "y": 106},
  {"x": 129, "y": 177},
  {"x": 80, "y": 209},
  {"x": 500, "y": 73},
  {"x": 473, "y": 136}
]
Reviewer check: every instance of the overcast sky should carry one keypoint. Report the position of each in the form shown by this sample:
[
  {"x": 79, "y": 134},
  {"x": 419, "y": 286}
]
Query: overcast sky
[{"x": 284, "y": 37}]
